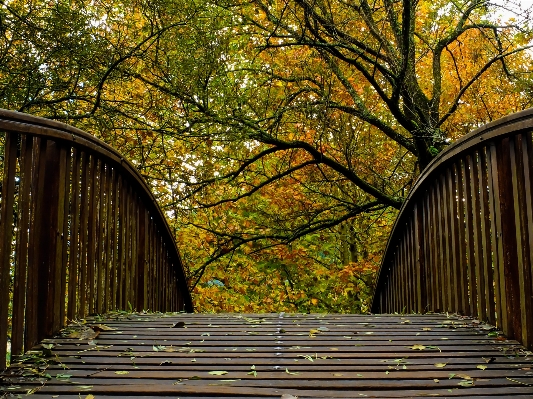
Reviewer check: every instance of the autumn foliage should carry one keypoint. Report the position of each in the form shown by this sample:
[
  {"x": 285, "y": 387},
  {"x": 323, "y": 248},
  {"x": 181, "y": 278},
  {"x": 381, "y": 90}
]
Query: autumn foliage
[{"x": 280, "y": 137}]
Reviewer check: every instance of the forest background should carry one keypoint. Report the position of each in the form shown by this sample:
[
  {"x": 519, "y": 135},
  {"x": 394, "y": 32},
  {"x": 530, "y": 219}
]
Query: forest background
[{"x": 279, "y": 136}]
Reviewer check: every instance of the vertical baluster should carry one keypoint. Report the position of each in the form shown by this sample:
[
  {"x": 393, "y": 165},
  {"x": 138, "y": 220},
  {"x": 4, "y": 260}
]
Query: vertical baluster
[
  {"x": 121, "y": 244},
  {"x": 428, "y": 223},
  {"x": 142, "y": 259},
  {"x": 21, "y": 269},
  {"x": 84, "y": 217},
  {"x": 61, "y": 236},
  {"x": 108, "y": 238},
  {"x": 511, "y": 202},
  {"x": 127, "y": 250},
  {"x": 46, "y": 255},
  {"x": 8, "y": 201},
  {"x": 435, "y": 292},
  {"x": 487, "y": 274},
  {"x": 419, "y": 255},
  {"x": 478, "y": 245},
  {"x": 454, "y": 214},
  {"x": 462, "y": 218},
  {"x": 32, "y": 298},
  {"x": 91, "y": 242},
  {"x": 67, "y": 220},
  {"x": 74, "y": 236},
  {"x": 115, "y": 240},
  {"x": 413, "y": 252},
  {"x": 441, "y": 243},
  {"x": 527, "y": 267},
  {"x": 447, "y": 259},
  {"x": 100, "y": 237},
  {"x": 134, "y": 257},
  {"x": 472, "y": 284},
  {"x": 496, "y": 238}
]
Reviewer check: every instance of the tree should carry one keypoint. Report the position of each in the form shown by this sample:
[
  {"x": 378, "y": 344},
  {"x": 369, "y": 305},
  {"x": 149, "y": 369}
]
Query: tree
[{"x": 273, "y": 127}]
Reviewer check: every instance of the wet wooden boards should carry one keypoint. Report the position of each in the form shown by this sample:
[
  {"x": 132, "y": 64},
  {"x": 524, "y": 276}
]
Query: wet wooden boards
[{"x": 274, "y": 355}]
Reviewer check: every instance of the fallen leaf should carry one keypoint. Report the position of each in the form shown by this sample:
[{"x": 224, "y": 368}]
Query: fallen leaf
[
  {"x": 290, "y": 372},
  {"x": 440, "y": 365},
  {"x": 122, "y": 372},
  {"x": 90, "y": 396},
  {"x": 102, "y": 327},
  {"x": 288, "y": 396},
  {"x": 466, "y": 383},
  {"x": 481, "y": 366},
  {"x": 417, "y": 347},
  {"x": 435, "y": 380},
  {"x": 218, "y": 372},
  {"x": 337, "y": 375}
]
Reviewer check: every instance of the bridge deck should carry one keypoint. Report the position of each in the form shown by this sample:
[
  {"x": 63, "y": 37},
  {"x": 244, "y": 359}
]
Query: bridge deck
[{"x": 274, "y": 355}]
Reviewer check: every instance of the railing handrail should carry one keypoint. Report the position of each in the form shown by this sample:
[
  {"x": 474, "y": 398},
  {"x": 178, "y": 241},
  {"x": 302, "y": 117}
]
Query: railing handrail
[
  {"x": 18, "y": 122},
  {"x": 115, "y": 188},
  {"x": 448, "y": 161}
]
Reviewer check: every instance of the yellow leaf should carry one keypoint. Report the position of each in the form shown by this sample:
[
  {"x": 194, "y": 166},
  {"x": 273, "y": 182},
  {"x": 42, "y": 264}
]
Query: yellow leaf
[
  {"x": 481, "y": 366},
  {"x": 218, "y": 372},
  {"x": 440, "y": 365},
  {"x": 122, "y": 372},
  {"x": 417, "y": 347}
]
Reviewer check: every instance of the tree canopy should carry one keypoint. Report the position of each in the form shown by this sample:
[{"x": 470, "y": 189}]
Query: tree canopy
[{"x": 280, "y": 136}]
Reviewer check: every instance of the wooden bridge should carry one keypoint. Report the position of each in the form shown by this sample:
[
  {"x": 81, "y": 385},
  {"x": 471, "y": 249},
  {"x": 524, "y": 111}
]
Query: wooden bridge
[{"x": 81, "y": 235}]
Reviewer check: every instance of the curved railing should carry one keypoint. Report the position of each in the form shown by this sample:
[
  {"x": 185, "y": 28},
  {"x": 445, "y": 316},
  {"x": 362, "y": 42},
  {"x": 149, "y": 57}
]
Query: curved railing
[
  {"x": 463, "y": 241},
  {"x": 80, "y": 233}
]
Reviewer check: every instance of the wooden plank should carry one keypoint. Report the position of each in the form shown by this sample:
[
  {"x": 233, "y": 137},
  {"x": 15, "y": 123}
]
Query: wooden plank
[{"x": 145, "y": 356}]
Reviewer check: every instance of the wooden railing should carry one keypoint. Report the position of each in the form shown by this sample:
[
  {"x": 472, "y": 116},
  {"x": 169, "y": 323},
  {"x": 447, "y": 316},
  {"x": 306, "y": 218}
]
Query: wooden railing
[
  {"x": 463, "y": 241},
  {"x": 80, "y": 233}
]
